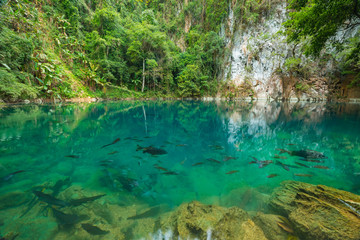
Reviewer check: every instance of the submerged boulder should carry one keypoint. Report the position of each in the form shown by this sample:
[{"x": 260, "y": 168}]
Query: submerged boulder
[
  {"x": 197, "y": 220},
  {"x": 269, "y": 224},
  {"x": 318, "y": 212}
]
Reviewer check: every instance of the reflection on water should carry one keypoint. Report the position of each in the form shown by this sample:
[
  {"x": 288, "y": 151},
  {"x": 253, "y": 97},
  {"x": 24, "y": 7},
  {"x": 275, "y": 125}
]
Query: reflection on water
[{"x": 86, "y": 169}]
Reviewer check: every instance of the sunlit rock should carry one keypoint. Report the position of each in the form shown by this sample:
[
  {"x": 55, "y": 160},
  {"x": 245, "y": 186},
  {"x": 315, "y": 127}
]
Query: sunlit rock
[
  {"x": 318, "y": 212},
  {"x": 195, "y": 219}
]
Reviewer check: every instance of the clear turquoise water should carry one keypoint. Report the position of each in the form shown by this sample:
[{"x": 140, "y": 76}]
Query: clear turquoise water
[{"x": 37, "y": 139}]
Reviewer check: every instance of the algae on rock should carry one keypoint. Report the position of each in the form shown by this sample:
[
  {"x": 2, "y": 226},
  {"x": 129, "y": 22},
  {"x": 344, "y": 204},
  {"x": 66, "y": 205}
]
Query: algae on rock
[
  {"x": 318, "y": 212},
  {"x": 196, "y": 220}
]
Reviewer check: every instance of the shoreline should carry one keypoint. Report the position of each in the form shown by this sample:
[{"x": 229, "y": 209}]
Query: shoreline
[{"x": 206, "y": 99}]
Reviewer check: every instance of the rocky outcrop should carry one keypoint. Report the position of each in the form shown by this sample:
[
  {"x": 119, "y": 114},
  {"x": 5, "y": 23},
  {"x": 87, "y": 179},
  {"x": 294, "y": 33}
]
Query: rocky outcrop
[
  {"x": 269, "y": 224},
  {"x": 318, "y": 212},
  {"x": 203, "y": 221}
]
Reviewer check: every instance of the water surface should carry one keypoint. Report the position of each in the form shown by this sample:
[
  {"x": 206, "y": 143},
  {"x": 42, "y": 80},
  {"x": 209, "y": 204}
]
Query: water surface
[{"x": 203, "y": 151}]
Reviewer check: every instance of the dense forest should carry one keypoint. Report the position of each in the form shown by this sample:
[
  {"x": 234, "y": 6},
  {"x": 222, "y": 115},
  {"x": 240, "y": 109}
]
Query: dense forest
[{"x": 132, "y": 48}]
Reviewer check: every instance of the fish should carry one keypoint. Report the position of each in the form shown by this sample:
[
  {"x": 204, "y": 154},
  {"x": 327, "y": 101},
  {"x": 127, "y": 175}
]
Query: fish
[
  {"x": 11, "y": 175},
  {"x": 272, "y": 175},
  {"x": 261, "y": 164},
  {"x": 227, "y": 158},
  {"x": 311, "y": 160},
  {"x": 114, "y": 152},
  {"x": 213, "y": 160},
  {"x": 151, "y": 150},
  {"x": 72, "y": 156},
  {"x": 93, "y": 230},
  {"x": 161, "y": 168},
  {"x": 302, "y": 175},
  {"x": 284, "y": 166},
  {"x": 149, "y": 213},
  {"x": 78, "y": 202},
  {"x": 291, "y": 144},
  {"x": 320, "y": 167},
  {"x": 197, "y": 164},
  {"x": 50, "y": 199},
  {"x": 115, "y": 141},
  {"x": 170, "y": 173},
  {"x": 279, "y": 157},
  {"x": 67, "y": 219},
  {"x": 304, "y": 153},
  {"x": 232, "y": 172},
  {"x": 181, "y": 145},
  {"x": 216, "y": 147},
  {"x": 301, "y": 164}
]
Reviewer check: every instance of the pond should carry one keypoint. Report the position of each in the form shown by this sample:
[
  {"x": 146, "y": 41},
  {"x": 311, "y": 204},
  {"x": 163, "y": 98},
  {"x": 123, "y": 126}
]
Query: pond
[{"x": 72, "y": 171}]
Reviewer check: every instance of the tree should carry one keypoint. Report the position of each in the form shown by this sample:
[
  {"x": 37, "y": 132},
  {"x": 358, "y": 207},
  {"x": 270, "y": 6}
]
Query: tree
[
  {"x": 319, "y": 20},
  {"x": 319, "y": 23}
]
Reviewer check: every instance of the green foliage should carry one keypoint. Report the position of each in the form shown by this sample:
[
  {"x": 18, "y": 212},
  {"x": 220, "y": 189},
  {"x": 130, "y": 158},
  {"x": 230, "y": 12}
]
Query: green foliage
[
  {"x": 71, "y": 48},
  {"x": 315, "y": 23},
  {"x": 319, "y": 20},
  {"x": 12, "y": 89},
  {"x": 302, "y": 87},
  {"x": 191, "y": 82}
]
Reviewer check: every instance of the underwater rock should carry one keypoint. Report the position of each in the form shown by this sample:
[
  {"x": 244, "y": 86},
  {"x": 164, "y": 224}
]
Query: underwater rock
[
  {"x": 197, "y": 220},
  {"x": 13, "y": 199},
  {"x": 268, "y": 223},
  {"x": 317, "y": 211}
]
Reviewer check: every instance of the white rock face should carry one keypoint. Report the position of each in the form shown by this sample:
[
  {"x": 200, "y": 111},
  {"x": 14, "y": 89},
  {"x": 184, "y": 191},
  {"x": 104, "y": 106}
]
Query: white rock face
[{"x": 258, "y": 50}]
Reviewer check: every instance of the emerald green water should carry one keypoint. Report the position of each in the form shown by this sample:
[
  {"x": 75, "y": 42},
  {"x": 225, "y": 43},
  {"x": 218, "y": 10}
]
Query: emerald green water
[{"x": 57, "y": 142}]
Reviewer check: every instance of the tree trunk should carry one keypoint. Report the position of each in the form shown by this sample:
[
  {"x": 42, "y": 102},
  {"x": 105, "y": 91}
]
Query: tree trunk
[{"x": 143, "y": 83}]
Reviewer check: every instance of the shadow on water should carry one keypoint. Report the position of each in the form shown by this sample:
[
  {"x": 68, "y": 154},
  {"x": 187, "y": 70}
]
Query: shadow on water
[{"x": 95, "y": 167}]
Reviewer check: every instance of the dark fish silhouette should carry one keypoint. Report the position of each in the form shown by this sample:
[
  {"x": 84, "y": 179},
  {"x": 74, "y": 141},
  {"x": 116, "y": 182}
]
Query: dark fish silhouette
[
  {"x": 321, "y": 167},
  {"x": 72, "y": 156},
  {"x": 149, "y": 213},
  {"x": 11, "y": 175},
  {"x": 304, "y": 153},
  {"x": 93, "y": 230},
  {"x": 301, "y": 164},
  {"x": 284, "y": 166},
  {"x": 78, "y": 202},
  {"x": 161, "y": 168},
  {"x": 279, "y": 157},
  {"x": 50, "y": 199},
  {"x": 170, "y": 173},
  {"x": 213, "y": 160},
  {"x": 197, "y": 164},
  {"x": 232, "y": 172},
  {"x": 151, "y": 150},
  {"x": 115, "y": 141},
  {"x": 272, "y": 175},
  {"x": 261, "y": 164},
  {"x": 302, "y": 175},
  {"x": 227, "y": 158},
  {"x": 67, "y": 219},
  {"x": 311, "y": 160},
  {"x": 216, "y": 147},
  {"x": 114, "y": 152}
]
